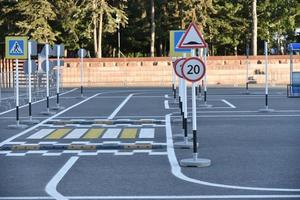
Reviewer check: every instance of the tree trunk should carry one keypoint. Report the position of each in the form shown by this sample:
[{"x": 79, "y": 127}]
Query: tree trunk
[
  {"x": 152, "y": 29},
  {"x": 99, "y": 52},
  {"x": 95, "y": 28},
  {"x": 254, "y": 28}
]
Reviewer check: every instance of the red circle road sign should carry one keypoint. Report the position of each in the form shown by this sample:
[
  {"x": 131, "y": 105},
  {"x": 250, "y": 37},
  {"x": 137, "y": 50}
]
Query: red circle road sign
[
  {"x": 193, "y": 69},
  {"x": 177, "y": 65}
]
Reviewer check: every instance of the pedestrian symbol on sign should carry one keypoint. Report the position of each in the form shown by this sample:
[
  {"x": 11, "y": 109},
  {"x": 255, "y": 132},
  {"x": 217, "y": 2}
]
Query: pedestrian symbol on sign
[{"x": 16, "y": 48}]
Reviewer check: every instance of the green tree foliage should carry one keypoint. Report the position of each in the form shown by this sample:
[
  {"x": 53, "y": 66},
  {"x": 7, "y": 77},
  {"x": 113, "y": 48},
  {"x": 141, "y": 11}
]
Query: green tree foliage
[
  {"x": 226, "y": 24},
  {"x": 35, "y": 20}
]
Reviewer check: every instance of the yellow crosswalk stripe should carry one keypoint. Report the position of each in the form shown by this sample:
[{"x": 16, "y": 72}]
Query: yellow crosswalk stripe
[
  {"x": 128, "y": 133},
  {"x": 94, "y": 133},
  {"x": 59, "y": 133}
]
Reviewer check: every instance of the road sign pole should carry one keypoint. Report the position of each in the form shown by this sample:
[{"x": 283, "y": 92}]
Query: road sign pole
[
  {"x": 266, "y": 109},
  {"x": 17, "y": 92},
  {"x": 29, "y": 80},
  {"x": 266, "y": 74},
  {"x": 17, "y": 125},
  {"x": 247, "y": 70},
  {"x": 174, "y": 84},
  {"x": 47, "y": 75},
  {"x": 189, "y": 69},
  {"x": 57, "y": 76},
  {"x": 81, "y": 72}
]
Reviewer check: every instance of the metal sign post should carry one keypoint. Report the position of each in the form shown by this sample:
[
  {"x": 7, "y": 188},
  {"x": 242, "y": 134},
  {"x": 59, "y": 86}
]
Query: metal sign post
[
  {"x": 59, "y": 52},
  {"x": 16, "y": 48},
  {"x": 32, "y": 46},
  {"x": 185, "y": 144},
  {"x": 247, "y": 70},
  {"x": 266, "y": 109},
  {"x": 174, "y": 81},
  {"x": 47, "y": 52},
  {"x": 193, "y": 70},
  {"x": 205, "y": 82},
  {"x": 81, "y": 54}
]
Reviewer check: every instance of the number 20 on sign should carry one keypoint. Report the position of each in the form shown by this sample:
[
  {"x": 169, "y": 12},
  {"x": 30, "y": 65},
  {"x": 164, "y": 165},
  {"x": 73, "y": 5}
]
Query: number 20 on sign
[{"x": 193, "y": 69}]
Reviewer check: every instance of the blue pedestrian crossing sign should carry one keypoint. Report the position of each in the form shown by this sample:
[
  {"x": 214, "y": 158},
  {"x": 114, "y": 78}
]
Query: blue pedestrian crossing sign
[
  {"x": 16, "y": 47},
  {"x": 175, "y": 37}
]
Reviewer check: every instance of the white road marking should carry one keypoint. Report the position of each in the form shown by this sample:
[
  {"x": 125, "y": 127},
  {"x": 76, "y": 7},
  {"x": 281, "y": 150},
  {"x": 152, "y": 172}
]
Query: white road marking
[
  {"x": 162, "y": 197},
  {"x": 124, "y": 153},
  {"x": 111, "y": 133},
  {"x": 167, "y": 104},
  {"x": 45, "y": 121},
  {"x": 76, "y": 133},
  {"x": 51, "y": 186},
  {"x": 120, "y": 107},
  {"x": 7, "y": 111},
  {"x": 36, "y": 152},
  {"x": 147, "y": 133},
  {"x": 15, "y": 154},
  {"x": 41, "y": 133},
  {"x": 176, "y": 169},
  {"x": 240, "y": 116},
  {"x": 52, "y": 154},
  {"x": 228, "y": 103},
  {"x": 166, "y": 96}
]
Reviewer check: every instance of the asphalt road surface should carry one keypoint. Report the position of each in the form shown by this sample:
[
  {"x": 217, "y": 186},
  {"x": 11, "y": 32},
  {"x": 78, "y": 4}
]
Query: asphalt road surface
[{"x": 118, "y": 143}]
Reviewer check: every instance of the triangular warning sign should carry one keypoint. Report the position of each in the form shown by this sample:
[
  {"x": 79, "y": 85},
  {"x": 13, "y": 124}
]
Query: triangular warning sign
[
  {"x": 16, "y": 49},
  {"x": 192, "y": 38}
]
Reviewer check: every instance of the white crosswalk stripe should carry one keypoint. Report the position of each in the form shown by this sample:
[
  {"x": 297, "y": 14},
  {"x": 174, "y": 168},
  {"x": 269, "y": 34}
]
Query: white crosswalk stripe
[
  {"x": 111, "y": 133},
  {"x": 76, "y": 133},
  {"x": 41, "y": 133},
  {"x": 146, "y": 133}
]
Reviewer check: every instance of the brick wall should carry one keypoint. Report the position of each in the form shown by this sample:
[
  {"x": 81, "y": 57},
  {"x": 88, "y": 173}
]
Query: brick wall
[{"x": 221, "y": 70}]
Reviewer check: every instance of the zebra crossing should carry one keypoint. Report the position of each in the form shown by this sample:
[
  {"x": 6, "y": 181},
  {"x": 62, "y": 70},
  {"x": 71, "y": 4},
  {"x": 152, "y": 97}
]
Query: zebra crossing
[{"x": 92, "y": 133}]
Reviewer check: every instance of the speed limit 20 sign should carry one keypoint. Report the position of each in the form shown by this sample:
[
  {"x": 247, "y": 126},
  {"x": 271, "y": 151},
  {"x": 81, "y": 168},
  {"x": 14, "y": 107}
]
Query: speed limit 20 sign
[{"x": 193, "y": 69}]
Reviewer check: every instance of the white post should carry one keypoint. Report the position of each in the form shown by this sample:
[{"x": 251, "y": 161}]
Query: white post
[
  {"x": 81, "y": 71},
  {"x": 266, "y": 73},
  {"x": 174, "y": 81},
  {"x": 29, "y": 79},
  {"x": 17, "y": 92},
  {"x": 247, "y": 69},
  {"x": 205, "y": 78},
  {"x": 47, "y": 75},
  {"x": 185, "y": 112},
  {"x": 58, "y": 76}
]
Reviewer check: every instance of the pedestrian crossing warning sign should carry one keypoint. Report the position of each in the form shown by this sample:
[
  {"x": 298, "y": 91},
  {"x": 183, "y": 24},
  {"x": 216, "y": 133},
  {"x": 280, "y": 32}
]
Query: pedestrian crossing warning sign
[{"x": 16, "y": 47}]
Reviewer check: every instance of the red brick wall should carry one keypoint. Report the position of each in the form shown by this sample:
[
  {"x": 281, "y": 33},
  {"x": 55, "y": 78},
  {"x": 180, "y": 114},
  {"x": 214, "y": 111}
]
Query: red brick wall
[{"x": 221, "y": 70}]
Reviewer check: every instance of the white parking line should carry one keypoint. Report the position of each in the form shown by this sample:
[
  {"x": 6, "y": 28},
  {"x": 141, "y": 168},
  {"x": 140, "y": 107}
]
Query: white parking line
[
  {"x": 176, "y": 169},
  {"x": 51, "y": 186},
  {"x": 45, "y": 121},
  {"x": 119, "y": 107},
  {"x": 7, "y": 111},
  {"x": 228, "y": 103}
]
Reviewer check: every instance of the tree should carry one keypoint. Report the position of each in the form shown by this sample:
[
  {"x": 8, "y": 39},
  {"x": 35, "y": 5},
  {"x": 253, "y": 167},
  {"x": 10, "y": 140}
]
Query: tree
[
  {"x": 35, "y": 20},
  {"x": 254, "y": 28},
  {"x": 104, "y": 20},
  {"x": 152, "y": 29}
]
